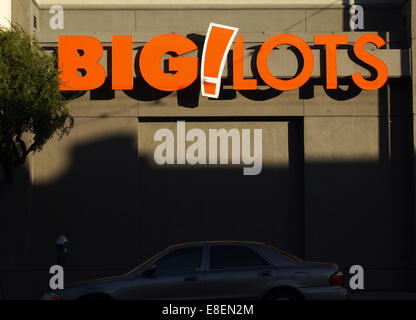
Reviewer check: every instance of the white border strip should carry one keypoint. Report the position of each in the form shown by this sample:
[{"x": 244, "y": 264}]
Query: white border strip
[{"x": 5, "y": 13}]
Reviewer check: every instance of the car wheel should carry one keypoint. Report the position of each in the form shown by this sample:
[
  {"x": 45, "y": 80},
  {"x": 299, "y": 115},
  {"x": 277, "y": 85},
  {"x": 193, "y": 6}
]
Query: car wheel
[
  {"x": 284, "y": 295},
  {"x": 95, "y": 297}
]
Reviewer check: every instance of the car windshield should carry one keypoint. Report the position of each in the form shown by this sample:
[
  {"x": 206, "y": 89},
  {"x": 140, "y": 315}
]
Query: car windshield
[
  {"x": 143, "y": 263},
  {"x": 287, "y": 254}
]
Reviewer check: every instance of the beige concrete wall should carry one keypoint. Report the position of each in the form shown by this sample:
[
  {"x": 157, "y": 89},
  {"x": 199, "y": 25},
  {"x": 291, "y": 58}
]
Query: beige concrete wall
[
  {"x": 23, "y": 12},
  {"x": 341, "y": 139}
]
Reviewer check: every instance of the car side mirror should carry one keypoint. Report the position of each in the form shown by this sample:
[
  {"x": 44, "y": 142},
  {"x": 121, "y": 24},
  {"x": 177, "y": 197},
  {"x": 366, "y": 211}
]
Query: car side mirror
[{"x": 150, "y": 271}]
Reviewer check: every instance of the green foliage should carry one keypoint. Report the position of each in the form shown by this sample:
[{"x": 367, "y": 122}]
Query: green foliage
[{"x": 30, "y": 100}]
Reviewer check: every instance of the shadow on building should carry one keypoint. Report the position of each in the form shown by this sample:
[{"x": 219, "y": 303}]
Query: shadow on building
[{"x": 117, "y": 211}]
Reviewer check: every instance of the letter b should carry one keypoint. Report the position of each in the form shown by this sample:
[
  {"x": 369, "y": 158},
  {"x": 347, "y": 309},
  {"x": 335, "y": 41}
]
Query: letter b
[{"x": 80, "y": 53}]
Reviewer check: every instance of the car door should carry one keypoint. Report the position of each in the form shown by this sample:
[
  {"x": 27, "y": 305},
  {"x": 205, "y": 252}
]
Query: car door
[
  {"x": 237, "y": 271},
  {"x": 178, "y": 275}
]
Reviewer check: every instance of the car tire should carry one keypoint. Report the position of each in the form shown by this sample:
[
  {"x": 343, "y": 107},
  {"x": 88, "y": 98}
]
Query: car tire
[
  {"x": 95, "y": 297},
  {"x": 283, "y": 295}
]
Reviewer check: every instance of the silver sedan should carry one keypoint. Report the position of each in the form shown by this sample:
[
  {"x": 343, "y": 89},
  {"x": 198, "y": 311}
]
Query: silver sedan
[{"x": 216, "y": 270}]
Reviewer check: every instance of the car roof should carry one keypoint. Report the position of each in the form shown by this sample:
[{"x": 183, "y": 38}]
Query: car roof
[{"x": 216, "y": 242}]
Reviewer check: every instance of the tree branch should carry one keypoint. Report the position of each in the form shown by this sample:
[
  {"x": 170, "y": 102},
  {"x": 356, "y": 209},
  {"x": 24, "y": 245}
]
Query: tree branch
[{"x": 25, "y": 151}]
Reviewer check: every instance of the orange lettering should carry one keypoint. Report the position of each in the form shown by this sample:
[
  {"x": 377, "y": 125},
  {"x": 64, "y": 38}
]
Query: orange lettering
[
  {"x": 376, "y": 63},
  {"x": 238, "y": 68},
  {"x": 122, "y": 63},
  {"x": 331, "y": 42},
  {"x": 269, "y": 78},
  {"x": 70, "y": 61},
  {"x": 186, "y": 67}
]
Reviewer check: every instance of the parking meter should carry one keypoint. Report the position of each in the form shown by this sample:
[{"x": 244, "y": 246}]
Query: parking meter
[{"x": 62, "y": 248}]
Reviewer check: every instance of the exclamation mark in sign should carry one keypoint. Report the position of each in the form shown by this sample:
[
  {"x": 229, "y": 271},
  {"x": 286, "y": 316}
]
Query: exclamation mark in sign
[{"x": 217, "y": 44}]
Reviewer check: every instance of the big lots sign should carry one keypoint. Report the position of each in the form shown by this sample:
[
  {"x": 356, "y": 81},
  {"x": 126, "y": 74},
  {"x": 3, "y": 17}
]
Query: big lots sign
[{"x": 183, "y": 71}]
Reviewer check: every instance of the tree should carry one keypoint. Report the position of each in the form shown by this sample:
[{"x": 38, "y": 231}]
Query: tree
[{"x": 31, "y": 104}]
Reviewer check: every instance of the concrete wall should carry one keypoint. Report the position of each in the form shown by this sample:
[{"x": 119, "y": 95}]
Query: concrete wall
[
  {"x": 24, "y": 12},
  {"x": 337, "y": 182}
]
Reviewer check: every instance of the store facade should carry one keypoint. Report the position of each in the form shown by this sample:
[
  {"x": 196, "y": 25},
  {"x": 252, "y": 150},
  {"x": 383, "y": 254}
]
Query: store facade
[{"x": 337, "y": 165}]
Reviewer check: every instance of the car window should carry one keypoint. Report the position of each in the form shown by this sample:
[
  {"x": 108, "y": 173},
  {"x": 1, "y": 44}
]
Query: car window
[
  {"x": 235, "y": 256},
  {"x": 180, "y": 260},
  {"x": 286, "y": 254}
]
